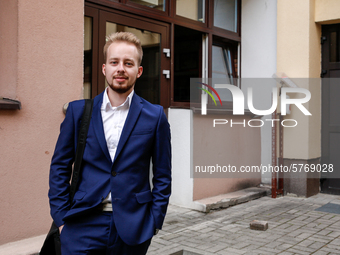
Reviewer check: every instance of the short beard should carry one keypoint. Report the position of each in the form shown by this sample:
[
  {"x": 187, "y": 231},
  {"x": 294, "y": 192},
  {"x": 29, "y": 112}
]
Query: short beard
[{"x": 120, "y": 89}]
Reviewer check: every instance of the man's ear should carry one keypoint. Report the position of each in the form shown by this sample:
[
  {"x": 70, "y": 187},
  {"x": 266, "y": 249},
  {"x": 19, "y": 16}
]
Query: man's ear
[
  {"x": 103, "y": 69},
  {"x": 140, "y": 71}
]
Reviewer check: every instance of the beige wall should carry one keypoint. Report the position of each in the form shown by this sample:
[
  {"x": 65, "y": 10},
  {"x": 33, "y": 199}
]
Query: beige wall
[
  {"x": 224, "y": 145},
  {"x": 299, "y": 56},
  {"x": 42, "y": 50},
  {"x": 327, "y": 11}
]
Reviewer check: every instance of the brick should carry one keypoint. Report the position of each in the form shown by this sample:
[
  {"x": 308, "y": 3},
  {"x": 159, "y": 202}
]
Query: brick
[{"x": 259, "y": 225}]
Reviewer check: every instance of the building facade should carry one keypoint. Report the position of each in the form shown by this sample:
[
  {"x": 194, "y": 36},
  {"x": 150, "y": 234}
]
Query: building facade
[{"x": 51, "y": 54}]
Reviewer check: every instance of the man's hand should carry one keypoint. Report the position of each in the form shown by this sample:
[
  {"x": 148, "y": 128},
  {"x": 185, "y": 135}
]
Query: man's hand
[{"x": 60, "y": 228}]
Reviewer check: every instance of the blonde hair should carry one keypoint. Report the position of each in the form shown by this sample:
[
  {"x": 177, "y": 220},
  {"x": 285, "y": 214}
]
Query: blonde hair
[{"x": 124, "y": 37}]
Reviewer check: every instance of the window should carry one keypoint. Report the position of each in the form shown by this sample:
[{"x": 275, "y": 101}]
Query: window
[
  {"x": 187, "y": 63},
  {"x": 224, "y": 66},
  {"x": 181, "y": 39},
  {"x": 154, "y": 4},
  {"x": 222, "y": 63},
  {"x": 191, "y": 9},
  {"x": 87, "y": 57},
  {"x": 334, "y": 52},
  {"x": 225, "y": 14}
]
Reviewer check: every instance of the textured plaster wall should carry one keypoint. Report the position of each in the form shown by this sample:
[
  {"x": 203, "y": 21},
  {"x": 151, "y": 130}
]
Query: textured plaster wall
[
  {"x": 258, "y": 58},
  {"x": 9, "y": 48},
  {"x": 327, "y": 11},
  {"x": 45, "y": 42},
  {"x": 181, "y": 142},
  {"x": 299, "y": 56},
  {"x": 224, "y": 145}
]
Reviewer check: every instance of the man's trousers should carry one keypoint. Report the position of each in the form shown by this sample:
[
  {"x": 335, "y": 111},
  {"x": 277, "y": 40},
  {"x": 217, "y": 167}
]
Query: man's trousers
[{"x": 96, "y": 234}]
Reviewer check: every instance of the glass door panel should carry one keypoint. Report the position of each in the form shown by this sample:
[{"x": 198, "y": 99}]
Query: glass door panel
[
  {"x": 87, "y": 57},
  {"x": 90, "y": 88},
  {"x": 152, "y": 85},
  {"x": 147, "y": 86}
]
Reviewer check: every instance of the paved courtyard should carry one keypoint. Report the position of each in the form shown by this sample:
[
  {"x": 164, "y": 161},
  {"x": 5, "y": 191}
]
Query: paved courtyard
[{"x": 295, "y": 227}]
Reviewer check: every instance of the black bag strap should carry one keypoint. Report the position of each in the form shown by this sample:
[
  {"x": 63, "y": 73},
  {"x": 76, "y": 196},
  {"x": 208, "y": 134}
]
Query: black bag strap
[{"x": 84, "y": 127}]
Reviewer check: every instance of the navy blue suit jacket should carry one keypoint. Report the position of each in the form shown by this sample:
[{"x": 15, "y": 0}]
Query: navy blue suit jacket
[{"x": 138, "y": 208}]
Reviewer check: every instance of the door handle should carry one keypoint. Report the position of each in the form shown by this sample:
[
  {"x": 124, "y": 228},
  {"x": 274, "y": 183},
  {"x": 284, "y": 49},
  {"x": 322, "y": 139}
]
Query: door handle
[
  {"x": 166, "y": 73},
  {"x": 167, "y": 52}
]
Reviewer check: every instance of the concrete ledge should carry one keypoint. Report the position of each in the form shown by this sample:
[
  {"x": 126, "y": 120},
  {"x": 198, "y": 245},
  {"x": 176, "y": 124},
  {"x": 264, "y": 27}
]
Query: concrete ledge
[
  {"x": 233, "y": 198},
  {"x": 23, "y": 247}
]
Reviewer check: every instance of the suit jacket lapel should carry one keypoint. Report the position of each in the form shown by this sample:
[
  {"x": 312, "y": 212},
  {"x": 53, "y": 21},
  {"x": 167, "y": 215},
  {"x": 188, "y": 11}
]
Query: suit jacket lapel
[
  {"x": 135, "y": 109},
  {"x": 98, "y": 125}
]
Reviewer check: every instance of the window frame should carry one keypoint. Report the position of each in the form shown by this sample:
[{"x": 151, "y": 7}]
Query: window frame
[
  {"x": 225, "y": 31},
  {"x": 169, "y": 16}
]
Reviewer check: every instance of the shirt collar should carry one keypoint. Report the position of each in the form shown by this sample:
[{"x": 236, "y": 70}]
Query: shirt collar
[{"x": 106, "y": 105}]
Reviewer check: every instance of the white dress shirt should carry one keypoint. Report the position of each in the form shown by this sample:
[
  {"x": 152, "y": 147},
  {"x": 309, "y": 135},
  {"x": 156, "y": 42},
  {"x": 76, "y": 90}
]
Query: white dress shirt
[{"x": 113, "y": 123}]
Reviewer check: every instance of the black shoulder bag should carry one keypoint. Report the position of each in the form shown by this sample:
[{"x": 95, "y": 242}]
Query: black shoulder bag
[{"x": 52, "y": 245}]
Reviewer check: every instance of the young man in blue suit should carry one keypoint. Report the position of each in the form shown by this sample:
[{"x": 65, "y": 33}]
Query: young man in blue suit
[{"x": 114, "y": 210}]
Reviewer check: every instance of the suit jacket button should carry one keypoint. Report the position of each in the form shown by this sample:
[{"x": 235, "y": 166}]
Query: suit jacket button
[{"x": 113, "y": 173}]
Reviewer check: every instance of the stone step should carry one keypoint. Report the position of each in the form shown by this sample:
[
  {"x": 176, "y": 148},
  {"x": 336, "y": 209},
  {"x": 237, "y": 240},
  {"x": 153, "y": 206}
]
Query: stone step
[{"x": 232, "y": 198}]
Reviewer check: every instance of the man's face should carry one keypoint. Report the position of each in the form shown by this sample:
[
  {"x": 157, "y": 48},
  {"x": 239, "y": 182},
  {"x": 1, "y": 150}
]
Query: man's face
[{"x": 122, "y": 68}]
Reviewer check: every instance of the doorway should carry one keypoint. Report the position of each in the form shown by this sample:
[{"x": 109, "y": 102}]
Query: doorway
[
  {"x": 330, "y": 131},
  {"x": 152, "y": 85}
]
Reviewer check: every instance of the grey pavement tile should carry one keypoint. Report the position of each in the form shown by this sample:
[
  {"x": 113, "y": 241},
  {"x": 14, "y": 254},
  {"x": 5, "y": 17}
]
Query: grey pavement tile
[
  {"x": 305, "y": 235},
  {"x": 252, "y": 248},
  {"x": 233, "y": 251},
  {"x": 168, "y": 237},
  {"x": 334, "y": 233},
  {"x": 329, "y": 249},
  {"x": 265, "y": 250},
  {"x": 296, "y": 233},
  {"x": 213, "y": 239},
  {"x": 241, "y": 245},
  {"x": 335, "y": 242},
  {"x": 188, "y": 243},
  {"x": 300, "y": 252},
  {"x": 323, "y": 239},
  {"x": 304, "y": 249},
  {"x": 218, "y": 247},
  {"x": 218, "y": 233},
  {"x": 205, "y": 246},
  {"x": 165, "y": 250},
  {"x": 276, "y": 245},
  {"x": 316, "y": 245},
  {"x": 306, "y": 243},
  {"x": 206, "y": 230},
  {"x": 225, "y": 253},
  {"x": 321, "y": 253},
  {"x": 325, "y": 232},
  {"x": 285, "y": 246},
  {"x": 161, "y": 241},
  {"x": 294, "y": 228},
  {"x": 188, "y": 249},
  {"x": 225, "y": 241},
  {"x": 189, "y": 233}
]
